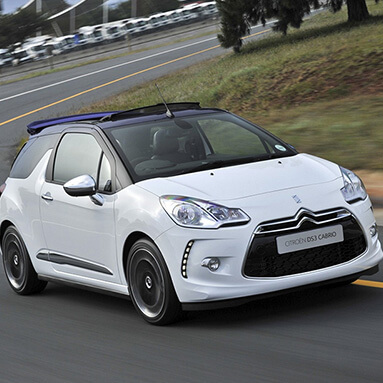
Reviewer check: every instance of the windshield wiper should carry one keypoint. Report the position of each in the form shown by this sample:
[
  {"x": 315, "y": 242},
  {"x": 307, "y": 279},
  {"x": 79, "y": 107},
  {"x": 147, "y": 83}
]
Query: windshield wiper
[{"x": 235, "y": 161}]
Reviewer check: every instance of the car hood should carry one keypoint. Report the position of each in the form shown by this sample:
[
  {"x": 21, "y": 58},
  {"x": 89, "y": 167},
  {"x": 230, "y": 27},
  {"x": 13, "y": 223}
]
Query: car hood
[{"x": 241, "y": 181}]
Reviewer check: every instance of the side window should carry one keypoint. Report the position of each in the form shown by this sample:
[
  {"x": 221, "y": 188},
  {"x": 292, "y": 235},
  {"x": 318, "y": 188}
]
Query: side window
[
  {"x": 77, "y": 154},
  {"x": 30, "y": 155},
  {"x": 228, "y": 138}
]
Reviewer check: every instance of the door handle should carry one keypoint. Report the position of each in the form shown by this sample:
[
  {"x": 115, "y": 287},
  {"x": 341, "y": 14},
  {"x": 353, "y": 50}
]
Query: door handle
[{"x": 47, "y": 197}]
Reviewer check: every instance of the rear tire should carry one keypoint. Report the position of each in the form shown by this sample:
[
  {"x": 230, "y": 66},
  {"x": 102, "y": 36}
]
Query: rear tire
[
  {"x": 18, "y": 268},
  {"x": 150, "y": 285}
]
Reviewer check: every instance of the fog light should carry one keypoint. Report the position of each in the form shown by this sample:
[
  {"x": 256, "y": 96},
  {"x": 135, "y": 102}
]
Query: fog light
[
  {"x": 373, "y": 230},
  {"x": 211, "y": 263}
]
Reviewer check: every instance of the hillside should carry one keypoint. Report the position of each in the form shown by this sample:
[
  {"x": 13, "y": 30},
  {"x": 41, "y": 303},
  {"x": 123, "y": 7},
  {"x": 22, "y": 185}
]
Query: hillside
[{"x": 320, "y": 88}]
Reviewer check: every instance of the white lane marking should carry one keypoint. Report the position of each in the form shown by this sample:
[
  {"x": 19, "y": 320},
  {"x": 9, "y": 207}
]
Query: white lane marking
[
  {"x": 103, "y": 70},
  {"x": 114, "y": 67}
]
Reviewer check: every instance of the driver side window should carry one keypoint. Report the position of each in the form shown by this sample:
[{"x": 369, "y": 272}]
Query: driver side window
[{"x": 79, "y": 154}]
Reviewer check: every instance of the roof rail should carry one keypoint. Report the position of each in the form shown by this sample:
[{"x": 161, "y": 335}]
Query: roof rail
[{"x": 37, "y": 126}]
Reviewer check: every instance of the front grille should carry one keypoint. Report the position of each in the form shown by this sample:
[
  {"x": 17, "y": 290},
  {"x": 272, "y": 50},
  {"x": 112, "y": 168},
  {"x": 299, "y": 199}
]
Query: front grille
[
  {"x": 303, "y": 215},
  {"x": 263, "y": 259}
]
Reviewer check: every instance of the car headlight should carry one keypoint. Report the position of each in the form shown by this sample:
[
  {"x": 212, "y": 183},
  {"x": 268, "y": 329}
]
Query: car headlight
[
  {"x": 196, "y": 213},
  {"x": 353, "y": 189}
]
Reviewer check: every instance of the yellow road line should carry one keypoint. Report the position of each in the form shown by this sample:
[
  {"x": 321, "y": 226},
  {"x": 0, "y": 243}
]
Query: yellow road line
[
  {"x": 117, "y": 80},
  {"x": 255, "y": 34},
  {"x": 106, "y": 84},
  {"x": 362, "y": 282}
]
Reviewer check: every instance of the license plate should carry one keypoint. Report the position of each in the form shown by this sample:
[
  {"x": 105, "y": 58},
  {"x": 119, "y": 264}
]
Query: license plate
[{"x": 309, "y": 239}]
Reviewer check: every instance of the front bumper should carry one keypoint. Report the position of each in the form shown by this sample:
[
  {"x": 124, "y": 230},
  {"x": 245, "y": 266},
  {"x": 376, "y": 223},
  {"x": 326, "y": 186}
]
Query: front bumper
[
  {"x": 225, "y": 303},
  {"x": 231, "y": 246}
]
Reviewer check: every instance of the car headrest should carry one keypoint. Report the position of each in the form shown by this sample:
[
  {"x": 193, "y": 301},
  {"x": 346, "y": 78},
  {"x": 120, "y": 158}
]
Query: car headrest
[{"x": 164, "y": 143}]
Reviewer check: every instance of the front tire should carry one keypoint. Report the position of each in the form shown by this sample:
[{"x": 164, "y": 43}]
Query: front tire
[
  {"x": 150, "y": 285},
  {"x": 18, "y": 268}
]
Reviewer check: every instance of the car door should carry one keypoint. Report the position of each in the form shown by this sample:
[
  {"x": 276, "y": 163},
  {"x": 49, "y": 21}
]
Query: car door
[{"x": 80, "y": 234}]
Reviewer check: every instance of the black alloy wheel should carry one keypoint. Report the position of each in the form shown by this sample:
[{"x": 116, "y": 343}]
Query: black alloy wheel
[
  {"x": 150, "y": 285},
  {"x": 17, "y": 266}
]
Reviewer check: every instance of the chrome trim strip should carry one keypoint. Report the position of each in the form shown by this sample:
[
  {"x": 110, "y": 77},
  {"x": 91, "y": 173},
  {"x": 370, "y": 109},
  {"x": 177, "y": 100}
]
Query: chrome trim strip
[
  {"x": 71, "y": 261},
  {"x": 341, "y": 213},
  {"x": 43, "y": 256}
]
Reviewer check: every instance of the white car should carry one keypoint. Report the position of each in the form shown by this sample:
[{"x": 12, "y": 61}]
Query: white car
[
  {"x": 5, "y": 58},
  {"x": 180, "y": 207}
]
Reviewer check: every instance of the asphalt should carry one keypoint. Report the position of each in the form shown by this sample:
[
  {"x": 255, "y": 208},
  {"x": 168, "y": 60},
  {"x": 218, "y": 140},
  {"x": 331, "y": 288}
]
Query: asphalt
[{"x": 68, "y": 335}]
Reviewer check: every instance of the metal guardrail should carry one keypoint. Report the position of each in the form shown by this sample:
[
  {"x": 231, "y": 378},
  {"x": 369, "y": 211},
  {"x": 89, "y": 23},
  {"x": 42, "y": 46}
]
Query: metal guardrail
[{"x": 105, "y": 50}]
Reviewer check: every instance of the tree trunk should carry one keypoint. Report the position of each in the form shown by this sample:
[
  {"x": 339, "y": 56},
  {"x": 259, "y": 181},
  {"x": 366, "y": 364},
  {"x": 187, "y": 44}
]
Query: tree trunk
[{"x": 357, "y": 10}]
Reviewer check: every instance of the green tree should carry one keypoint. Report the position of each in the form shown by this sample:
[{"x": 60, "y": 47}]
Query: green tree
[
  {"x": 121, "y": 11},
  {"x": 237, "y": 16},
  {"x": 18, "y": 26},
  {"x": 52, "y": 7},
  {"x": 148, "y": 7},
  {"x": 357, "y": 10}
]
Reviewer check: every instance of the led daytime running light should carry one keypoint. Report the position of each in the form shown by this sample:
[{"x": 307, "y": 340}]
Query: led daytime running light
[{"x": 185, "y": 258}]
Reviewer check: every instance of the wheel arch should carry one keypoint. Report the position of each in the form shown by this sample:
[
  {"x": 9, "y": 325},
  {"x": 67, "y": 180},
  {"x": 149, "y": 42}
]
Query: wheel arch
[
  {"x": 129, "y": 242},
  {"x": 4, "y": 226}
]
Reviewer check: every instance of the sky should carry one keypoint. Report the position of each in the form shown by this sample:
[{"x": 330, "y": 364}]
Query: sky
[{"x": 10, "y": 6}]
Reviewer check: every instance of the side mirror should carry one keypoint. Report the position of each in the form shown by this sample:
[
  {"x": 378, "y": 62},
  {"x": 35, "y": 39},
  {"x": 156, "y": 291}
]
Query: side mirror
[{"x": 81, "y": 186}]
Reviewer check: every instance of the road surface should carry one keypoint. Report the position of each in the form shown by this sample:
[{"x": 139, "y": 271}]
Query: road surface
[{"x": 68, "y": 335}]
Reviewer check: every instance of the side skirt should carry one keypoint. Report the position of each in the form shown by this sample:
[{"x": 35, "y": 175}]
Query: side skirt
[{"x": 85, "y": 286}]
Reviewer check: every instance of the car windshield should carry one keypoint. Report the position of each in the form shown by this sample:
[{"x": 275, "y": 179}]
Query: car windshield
[{"x": 175, "y": 146}]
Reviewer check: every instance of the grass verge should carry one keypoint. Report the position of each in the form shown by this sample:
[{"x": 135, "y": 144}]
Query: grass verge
[{"x": 320, "y": 88}]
